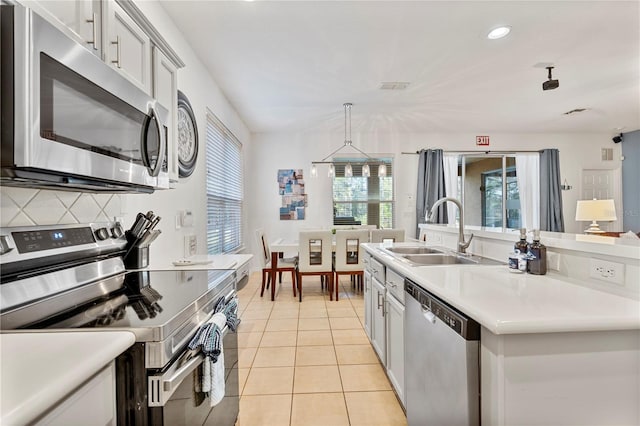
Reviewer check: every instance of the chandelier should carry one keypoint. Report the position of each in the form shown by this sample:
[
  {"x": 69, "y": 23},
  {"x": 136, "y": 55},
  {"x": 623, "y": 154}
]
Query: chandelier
[{"x": 348, "y": 169}]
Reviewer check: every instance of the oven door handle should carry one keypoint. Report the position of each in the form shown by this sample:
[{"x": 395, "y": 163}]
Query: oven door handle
[
  {"x": 170, "y": 384},
  {"x": 161, "y": 387}
]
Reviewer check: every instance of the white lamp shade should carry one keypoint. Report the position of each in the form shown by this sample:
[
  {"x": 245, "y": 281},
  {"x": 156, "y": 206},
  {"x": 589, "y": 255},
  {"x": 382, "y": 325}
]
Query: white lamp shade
[{"x": 604, "y": 210}]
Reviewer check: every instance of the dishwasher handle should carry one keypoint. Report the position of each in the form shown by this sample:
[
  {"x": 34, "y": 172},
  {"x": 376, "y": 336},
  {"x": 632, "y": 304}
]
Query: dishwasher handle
[{"x": 428, "y": 315}]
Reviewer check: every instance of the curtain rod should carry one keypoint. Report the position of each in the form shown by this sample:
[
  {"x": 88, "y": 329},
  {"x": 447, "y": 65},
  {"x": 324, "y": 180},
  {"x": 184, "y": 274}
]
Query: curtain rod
[{"x": 475, "y": 152}]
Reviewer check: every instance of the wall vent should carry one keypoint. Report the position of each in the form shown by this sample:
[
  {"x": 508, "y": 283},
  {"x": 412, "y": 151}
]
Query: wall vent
[
  {"x": 394, "y": 85},
  {"x": 607, "y": 154}
]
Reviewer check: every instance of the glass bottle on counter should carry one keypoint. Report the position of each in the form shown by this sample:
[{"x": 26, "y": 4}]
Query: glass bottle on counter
[
  {"x": 522, "y": 244},
  {"x": 537, "y": 251}
]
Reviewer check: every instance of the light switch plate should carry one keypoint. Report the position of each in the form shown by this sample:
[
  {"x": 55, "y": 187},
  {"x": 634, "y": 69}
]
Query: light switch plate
[{"x": 190, "y": 245}]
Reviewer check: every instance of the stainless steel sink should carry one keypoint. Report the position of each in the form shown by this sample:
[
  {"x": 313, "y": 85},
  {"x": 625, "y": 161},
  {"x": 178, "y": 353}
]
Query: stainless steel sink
[
  {"x": 445, "y": 259},
  {"x": 438, "y": 259},
  {"x": 431, "y": 256},
  {"x": 415, "y": 250}
]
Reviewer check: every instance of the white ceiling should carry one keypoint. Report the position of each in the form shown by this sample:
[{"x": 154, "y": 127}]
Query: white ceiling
[{"x": 290, "y": 65}]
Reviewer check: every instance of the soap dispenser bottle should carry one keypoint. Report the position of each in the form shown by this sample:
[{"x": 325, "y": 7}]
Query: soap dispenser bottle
[
  {"x": 522, "y": 244},
  {"x": 537, "y": 252}
]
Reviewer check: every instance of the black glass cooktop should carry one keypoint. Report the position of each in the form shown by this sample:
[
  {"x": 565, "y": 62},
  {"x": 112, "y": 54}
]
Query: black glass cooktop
[{"x": 154, "y": 303}]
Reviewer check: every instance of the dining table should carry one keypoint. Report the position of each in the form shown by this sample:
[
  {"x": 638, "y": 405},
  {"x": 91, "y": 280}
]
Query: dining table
[{"x": 278, "y": 248}]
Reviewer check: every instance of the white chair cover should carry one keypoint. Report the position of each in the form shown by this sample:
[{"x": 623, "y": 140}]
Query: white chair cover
[
  {"x": 348, "y": 249},
  {"x": 382, "y": 235}
]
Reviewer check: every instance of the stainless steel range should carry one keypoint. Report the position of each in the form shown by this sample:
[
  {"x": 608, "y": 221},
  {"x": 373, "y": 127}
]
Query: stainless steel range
[{"x": 73, "y": 277}]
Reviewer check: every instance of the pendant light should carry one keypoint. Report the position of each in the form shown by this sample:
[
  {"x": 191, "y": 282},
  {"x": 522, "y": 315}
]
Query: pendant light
[{"x": 348, "y": 168}]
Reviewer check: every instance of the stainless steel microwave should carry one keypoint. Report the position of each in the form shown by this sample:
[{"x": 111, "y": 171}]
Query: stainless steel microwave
[{"x": 69, "y": 120}]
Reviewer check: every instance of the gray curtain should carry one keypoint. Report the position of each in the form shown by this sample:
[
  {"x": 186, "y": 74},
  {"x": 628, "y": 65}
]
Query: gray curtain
[
  {"x": 551, "y": 216},
  {"x": 430, "y": 186}
]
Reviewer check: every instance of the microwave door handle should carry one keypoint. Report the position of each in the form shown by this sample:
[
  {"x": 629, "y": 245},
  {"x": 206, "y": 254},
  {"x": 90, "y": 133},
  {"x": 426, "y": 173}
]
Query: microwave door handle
[{"x": 163, "y": 142}]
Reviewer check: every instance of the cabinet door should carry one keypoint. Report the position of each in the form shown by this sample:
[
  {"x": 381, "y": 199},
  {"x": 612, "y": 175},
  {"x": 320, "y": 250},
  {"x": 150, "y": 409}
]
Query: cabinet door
[
  {"x": 128, "y": 47},
  {"x": 80, "y": 19},
  {"x": 92, "y": 404},
  {"x": 368, "y": 303},
  {"x": 165, "y": 90},
  {"x": 378, "y": 327},
  {"x": 395, "y": 345}
]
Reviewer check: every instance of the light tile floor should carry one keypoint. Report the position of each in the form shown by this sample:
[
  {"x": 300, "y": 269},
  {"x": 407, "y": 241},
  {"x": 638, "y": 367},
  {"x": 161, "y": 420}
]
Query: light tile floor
[{"x": 309, "y": 363}]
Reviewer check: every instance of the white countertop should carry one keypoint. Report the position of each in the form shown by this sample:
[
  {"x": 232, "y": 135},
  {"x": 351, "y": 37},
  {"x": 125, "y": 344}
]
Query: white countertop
[
  {"x": 206, "y": 262},
  {"x": 40, "y": 369},
  {"x": 509, "y": 303}
]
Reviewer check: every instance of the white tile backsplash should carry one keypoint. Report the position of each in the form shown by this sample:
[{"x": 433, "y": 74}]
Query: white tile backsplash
[
  {"x": 26, "y": 207},
  {"x": 45, "y": 208}
]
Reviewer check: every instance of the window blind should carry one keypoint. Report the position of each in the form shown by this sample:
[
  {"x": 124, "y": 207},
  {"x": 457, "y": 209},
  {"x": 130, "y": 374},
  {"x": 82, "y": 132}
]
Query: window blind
[
  {"x": 360, "y": 199},
  {"x": 224, "y": 188}
]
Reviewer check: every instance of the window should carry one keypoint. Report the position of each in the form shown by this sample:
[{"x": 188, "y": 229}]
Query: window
[
  {"x": 224, "y": 188},
  {"x": 360, "y": 200},
  {"x": 490, "y": 190}
]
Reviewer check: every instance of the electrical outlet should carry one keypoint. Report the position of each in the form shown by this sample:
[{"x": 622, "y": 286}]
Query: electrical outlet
[
  {"x": 612, "y": 272},
  {"x": 190, "y": 245}
]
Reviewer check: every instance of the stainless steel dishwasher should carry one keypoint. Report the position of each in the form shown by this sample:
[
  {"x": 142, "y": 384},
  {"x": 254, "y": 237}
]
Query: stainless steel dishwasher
[{"x": 441, "y": 362}]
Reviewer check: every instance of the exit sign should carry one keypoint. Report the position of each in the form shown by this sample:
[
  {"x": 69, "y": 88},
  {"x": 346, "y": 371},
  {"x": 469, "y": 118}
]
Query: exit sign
[{"x": 482, "y": 140}]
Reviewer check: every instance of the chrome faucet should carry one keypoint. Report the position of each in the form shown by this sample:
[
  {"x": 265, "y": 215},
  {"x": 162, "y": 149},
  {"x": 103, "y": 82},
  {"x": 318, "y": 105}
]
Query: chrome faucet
[{"x": 462, "y": 244}]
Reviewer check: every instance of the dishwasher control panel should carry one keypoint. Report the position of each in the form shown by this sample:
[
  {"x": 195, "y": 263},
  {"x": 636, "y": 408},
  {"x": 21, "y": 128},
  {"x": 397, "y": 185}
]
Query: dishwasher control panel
[{"x": 454, "y": 319}]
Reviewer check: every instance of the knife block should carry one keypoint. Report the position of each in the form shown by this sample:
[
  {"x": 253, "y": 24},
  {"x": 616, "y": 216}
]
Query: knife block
[{"x": 136, "y": 257}]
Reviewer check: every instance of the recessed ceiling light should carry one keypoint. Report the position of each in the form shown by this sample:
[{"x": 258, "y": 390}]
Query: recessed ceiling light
[{"x": 499, "y": 32}]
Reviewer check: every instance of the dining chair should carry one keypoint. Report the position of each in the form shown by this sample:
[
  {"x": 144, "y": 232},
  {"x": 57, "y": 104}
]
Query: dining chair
[
  {"x": 385, "y": 235},
  {"x": 315, "y": 255},
  {"x": 272, "y": 264},
  {"x": 348, "y": 258}
]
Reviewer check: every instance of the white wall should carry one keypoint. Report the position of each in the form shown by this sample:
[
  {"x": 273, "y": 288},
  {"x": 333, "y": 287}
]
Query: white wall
[
  {"x": 274, "y": 151},
  {"x": 203, "y": 92}
]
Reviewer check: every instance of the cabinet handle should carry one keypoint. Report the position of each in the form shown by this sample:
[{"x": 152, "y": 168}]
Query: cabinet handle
[
  {"x": 93, "y": 21},
  {"x": 117, "y": 43},
  {"x": 379, "y": 304}
]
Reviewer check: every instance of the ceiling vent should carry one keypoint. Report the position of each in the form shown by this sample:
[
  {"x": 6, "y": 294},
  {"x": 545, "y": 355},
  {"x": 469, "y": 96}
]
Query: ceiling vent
[
  {"x": 574, "y": 111},
  {"x": 394, "y": 85}
]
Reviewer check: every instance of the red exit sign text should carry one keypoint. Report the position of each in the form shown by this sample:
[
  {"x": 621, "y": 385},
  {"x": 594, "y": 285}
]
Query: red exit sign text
[{"x": 482, "y": 140}]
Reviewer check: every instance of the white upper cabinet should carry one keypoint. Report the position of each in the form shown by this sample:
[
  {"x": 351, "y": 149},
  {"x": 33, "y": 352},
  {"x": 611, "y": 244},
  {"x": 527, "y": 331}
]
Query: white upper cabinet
[
  {"x": 165, "y": 90},
  {"x": 128, "y": 47},
  {"x": 80, "y": 19},
  {"x": 118, "y": 33}
]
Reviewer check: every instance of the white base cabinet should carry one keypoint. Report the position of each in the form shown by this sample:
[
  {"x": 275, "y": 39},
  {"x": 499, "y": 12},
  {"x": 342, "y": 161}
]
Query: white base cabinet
[
  {"x": 94, "y": 403},
  {"x": 395, "y": 345},
  {"x": 378, "y": 322},
  {"x": 368, "y": 302},
  {"x": 583, "y": 378},
  {"x": 384, "y": 319}
]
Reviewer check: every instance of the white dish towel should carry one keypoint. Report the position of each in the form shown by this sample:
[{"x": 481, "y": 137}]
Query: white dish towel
[{"x": 215, "y": 373}]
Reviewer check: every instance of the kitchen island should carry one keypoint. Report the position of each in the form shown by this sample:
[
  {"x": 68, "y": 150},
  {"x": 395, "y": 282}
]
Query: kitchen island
[
  {"x": 552, "y": 350},
  {"x": 59, "y": 377}
]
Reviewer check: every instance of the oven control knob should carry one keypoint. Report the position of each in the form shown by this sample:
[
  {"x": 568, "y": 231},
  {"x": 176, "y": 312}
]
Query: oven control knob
[
  {"x": 116, "y": 231},
  {"x": 4, "y": 244},
  {"x": 102, "y": 234}
]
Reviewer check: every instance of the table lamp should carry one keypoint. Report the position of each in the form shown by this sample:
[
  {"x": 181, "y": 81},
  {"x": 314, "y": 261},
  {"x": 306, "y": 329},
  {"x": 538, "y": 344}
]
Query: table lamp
[{"x": 594, "y": 210}]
